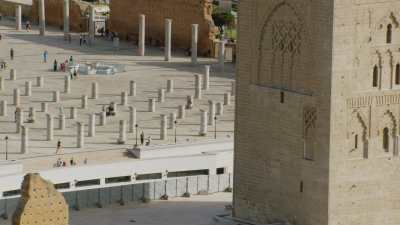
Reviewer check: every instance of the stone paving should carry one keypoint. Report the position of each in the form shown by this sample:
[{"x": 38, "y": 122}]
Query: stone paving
[{"x": 149, "y": 72}]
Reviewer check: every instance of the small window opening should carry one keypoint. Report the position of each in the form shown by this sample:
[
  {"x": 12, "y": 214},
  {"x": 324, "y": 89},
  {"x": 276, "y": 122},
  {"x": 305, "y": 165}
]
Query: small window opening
[
  {"x": 386, "y": 139},
  {"x": 356, "y": 141},
  {"x": 397, "y": 80},
  {"x": 301, "y": 187},
  {"x": 375, "y": 77},
  {"x": 389, "y": 34},
  {"x": 282, "y": 97}
]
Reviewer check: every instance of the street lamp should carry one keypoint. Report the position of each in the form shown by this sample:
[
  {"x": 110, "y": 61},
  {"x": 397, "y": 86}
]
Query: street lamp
[
  {"x": 6, "y": 138},
  {"x": 175, "y": 122},
  {"x": 215, "y": 127},
  {"x": 136, "y": 127}
]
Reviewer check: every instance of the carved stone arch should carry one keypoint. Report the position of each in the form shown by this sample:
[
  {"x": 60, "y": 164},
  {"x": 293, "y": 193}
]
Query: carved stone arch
[
  {"x": 358, "y": 136},
  {"x": 280, "y": 41},
  {"x": 388, "y": 132},
  {"x": 389, "y": 18},
  {"x": 309, "y": 132}
]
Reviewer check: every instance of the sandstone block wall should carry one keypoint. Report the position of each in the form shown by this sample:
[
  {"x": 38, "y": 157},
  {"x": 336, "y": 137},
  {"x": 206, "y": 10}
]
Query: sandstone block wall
[
  {"x": 55, "y": 14},
  {"x": 40, "y": 203},
  {"x": 124, "y": 19}
]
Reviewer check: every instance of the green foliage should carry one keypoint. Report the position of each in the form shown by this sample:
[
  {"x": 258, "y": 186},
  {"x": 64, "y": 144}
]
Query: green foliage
[{"x": 222, "y": 18}]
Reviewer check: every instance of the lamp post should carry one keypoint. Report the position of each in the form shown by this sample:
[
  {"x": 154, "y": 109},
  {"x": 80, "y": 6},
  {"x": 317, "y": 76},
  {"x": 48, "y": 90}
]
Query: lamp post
[
  {"x": 176, "y": 123},
  {"x": 6, "y": 138},
  {"x": 136, "y": 127},
  {"x": 215, "y": 127}
]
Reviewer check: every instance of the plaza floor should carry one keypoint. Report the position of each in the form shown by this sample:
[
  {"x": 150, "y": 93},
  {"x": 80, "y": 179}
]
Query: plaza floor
[{"x": 150, "y": 73}]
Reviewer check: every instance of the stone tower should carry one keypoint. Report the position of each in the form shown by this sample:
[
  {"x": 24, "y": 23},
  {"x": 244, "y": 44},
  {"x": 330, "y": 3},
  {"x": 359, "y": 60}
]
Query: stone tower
[
  {"x": 318, "y": 105},
  {"x": 40, "y": 203}
]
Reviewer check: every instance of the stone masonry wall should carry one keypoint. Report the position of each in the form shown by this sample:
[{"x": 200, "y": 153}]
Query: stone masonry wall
[
  {"x": 124, "y": 19},
  {"x": 282, "y": 126},
  {"x": 55, "y": 14}
]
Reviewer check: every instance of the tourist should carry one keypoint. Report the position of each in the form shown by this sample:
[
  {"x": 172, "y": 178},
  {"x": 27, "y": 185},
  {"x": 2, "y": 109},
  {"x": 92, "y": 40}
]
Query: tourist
[
  {"x": 189, "y": 104},
  {"x": 148, "y": 142},
  {"x": 17, "y": 110},
  {"x": 71, "y": 60},
  {"x": 12, "y": 54},
  {"x": 55, "y": 66},
  {"x": 45, "y": 56},
  {"x": 142, "y": 138},
  {"x": 58, "y": 147},
  {"x": 80, "y": 40},
  {"x": 71, "y": 162},
  {"x": 28, "y": 26},
  {"x": 75, "y": 74},
  {"x": 30, "y": 118},
  {"x": 85, "y": 161}
]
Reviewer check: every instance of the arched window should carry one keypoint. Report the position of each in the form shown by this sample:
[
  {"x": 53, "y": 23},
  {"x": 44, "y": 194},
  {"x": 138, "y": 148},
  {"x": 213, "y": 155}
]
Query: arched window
[
  {"x": 389, "y": 34},
  {"x": 375, "y": 77},
  {"x": 397, "y": 78},
  {"x": 385, "y": 140}
]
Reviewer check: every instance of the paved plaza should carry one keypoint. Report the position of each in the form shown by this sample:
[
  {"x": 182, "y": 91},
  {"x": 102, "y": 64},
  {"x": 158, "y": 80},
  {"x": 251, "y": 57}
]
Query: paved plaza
[
  {"x": 150, "y": 74},
  {"x": 197, "y": 210}
]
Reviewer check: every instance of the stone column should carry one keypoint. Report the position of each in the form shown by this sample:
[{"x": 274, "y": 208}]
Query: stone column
[
  {"x": 39, "y": 81},
  {"x": 211, "y": 108},
  {"x": 181, "y": 112},
  {"x": 92, "y": 28},
  {"x": 24, "y": 140},
  {"x": 197, "y": 86},
  {"x": 172, "y": 119},
  {"x": 170, "y": 86},
  {"x": 80, "y": 135},
  {"x": 66, "y": 19},
  {"x": 220, "y": 109},
  {"x": 73, "y": 113},
  {"x": 92, "y": 125},
  {"x": 221, "y": 56},
  {"x": 122, "y": 132},
  {"x": 195, "y": 39},
  {"x": 233, "y": 88},
  {"x": 203, "y": 123},
  {"x": 227, "y": 98},
  {"x": 3, "y": 108},
  {"x": 13, "y": 74},
  {"x": 124, "y": 98},
  {"x": 163, "y": 128},
  {"x": 142, "y": 35},
  {"x": 50, "y": 127},
  {"x": 56, "y": 96},
  {"x": 16, "y": 96},
  {"x": 161, "y": 95},
  {"x": 67, "y": 83},
  {"x": 132, "y": 119},
  {"x": 206, "y": 81},
  {"x": 152, "y": 105},
  {"x": 43, "y": 106},
  {"x": 168, "y": 42},
  {"x": 20, "y": 119},
  {"x": 95, "y": 90},
  {"x": 132, "y": 88},
  {"x": 42, "y": 18},
  {"x": 84, "y": 101},
  {"x": 61, "y": 121},
  {"x": 18, "y": 17},
  {"x": 1, "y": 83},
  {"x": 32, "y": 113},
  {"x": 28, "y": 88},
  {"x": 103, "y": 118},
  {"x": 114, "y": 105}
]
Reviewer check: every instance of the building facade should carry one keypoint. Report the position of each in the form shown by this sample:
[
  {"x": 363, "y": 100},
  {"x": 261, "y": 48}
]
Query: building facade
[
  {"x": 318, "y": 104},
  {"x": 124, "y": 20}
]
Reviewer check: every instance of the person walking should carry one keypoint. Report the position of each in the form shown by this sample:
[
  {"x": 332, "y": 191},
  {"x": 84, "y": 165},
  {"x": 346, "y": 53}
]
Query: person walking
[
  {"x": 58, "y": 147},
  {"x": 12, "y": 54},
  {"x": 45, "y": 56},
  {"x": 55, "y": 66},
  {"x": 142, "y": 138},
  {"x": 80, "y": 40}
]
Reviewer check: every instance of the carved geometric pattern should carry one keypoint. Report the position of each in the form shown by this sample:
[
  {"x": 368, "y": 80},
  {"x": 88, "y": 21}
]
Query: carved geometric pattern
[
  {"x": 286, "y": 37},
  {"x": 310, "y": 117}
]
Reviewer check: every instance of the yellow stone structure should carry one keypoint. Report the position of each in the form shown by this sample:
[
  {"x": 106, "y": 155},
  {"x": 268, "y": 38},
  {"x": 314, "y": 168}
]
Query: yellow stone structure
[{"x": 40, "y": 203}]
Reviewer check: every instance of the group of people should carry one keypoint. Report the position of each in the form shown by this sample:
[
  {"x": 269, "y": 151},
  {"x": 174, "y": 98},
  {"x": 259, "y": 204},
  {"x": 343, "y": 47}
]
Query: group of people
[{"x": 63, "y": 163}]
